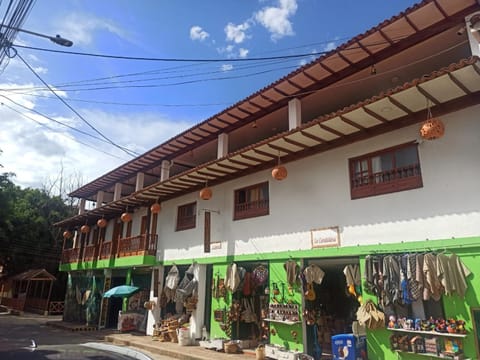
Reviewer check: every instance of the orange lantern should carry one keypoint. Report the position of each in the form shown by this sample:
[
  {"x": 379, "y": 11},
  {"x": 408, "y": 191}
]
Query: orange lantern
[
  {"x": 155, "y": 208},
  {"x": 67, "y": 234},
  {"x": 126, "y": 217},
  {"x": 85, "y": 229},
  {"x": 432, "y": 129},
  {"x": 101, "y": 223},
  {"x": 279, "y": 172},
  {"x": 206, "y": 193}
]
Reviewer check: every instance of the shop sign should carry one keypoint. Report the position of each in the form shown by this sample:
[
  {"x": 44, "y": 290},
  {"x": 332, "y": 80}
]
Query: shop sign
[
  {"x": 325, "y": 237},
  {"x": 216, "y": 245}
]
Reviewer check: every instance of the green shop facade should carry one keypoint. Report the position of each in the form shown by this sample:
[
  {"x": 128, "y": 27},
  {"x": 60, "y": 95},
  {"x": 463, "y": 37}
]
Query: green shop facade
[{"x": 333, "y": 307}]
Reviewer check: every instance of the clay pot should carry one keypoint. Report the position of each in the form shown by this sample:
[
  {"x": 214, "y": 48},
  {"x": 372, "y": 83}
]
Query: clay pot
[
  {"x": 206, "y": 193},
  {"x": 155, "y": 208},
  {"x": 126, "y": 217},
  {"x": 279, "y": 172},
  {"x": 432, "y": 129}
]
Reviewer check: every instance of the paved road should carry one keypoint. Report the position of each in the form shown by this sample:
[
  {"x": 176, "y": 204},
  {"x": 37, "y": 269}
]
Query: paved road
[{"x": 16, "y": 333}]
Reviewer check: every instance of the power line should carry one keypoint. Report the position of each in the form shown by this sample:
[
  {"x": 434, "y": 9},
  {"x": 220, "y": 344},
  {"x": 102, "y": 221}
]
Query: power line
[
  {"x": 180, "y": 82},
  {"x": 53, "y": 120},
  {"x": 128, "y": 152},
  {"x": 122, "y": 103},
  {"x": 78, "y": 84},
  {"x": 48, "y": 127},
  {"x": 13, "y": 18},
  {"x": 140, "y": 58}
]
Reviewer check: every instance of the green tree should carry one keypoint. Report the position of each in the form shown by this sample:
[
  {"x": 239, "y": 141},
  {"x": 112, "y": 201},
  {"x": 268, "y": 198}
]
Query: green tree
[{"x": 28, "y": 239}]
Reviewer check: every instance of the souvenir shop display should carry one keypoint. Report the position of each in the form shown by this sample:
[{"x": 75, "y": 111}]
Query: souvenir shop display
[{"x": 406, "y": 278}]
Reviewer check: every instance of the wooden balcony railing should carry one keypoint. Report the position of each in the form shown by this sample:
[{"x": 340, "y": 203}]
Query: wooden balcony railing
[
  {"x": 105, "y": 250},
  {"x": 90, "y": 252},
  {"x": 251, "y": 209},
  {"x": 145, "y": 244},
  {"x": 70, "y": 255}
]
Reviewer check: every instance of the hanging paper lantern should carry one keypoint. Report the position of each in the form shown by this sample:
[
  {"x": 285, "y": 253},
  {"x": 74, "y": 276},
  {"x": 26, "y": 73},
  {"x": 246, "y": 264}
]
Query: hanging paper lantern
[
  {"x": 67, "y": 234},
  {"x": 155, "y": 208},
  {"x": 101, "y": 223},
  {"x": 85, "y": 229},
  {"x": 432, "y": 129},
  {"x": 126, "y": 217},
  {"x": 206, "y": 193},
  {"x": 279, "y": 172}
]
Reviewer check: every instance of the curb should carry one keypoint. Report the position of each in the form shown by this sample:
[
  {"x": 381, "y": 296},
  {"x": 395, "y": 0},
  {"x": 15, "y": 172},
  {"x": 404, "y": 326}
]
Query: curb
[
  {"x": 156, "y": 350},
  {"x": 119, "y": 350}
]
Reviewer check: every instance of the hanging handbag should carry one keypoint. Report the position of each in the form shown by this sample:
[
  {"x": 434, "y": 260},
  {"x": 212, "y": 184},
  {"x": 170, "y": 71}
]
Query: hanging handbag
[
  {"x": 369, "y": 316},
  {"x": 219, "y": 315}
]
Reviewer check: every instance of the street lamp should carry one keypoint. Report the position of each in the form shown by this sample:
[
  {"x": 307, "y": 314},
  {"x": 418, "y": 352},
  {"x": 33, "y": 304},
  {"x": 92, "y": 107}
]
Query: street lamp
[{"x": 56, "y": 39}]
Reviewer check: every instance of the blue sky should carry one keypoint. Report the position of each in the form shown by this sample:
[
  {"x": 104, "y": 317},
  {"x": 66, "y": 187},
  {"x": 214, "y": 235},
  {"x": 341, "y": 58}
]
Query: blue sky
[{"x": 140, "y": 104}]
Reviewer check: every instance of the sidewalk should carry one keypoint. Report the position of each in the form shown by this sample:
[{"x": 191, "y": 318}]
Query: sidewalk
[
  {"x": 151, "y": 347},
  {"x": 174, "y": 350}
]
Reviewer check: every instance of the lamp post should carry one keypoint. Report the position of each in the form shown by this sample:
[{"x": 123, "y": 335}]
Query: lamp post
[{"x": 56, "y": 39}]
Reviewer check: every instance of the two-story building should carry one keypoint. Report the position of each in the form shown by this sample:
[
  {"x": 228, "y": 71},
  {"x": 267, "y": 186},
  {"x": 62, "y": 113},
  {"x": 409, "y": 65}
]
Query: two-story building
[{"x": 354, "y": 177}]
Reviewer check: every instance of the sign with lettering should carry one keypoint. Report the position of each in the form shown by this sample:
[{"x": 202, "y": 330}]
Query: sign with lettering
[{"x": 325, "y": 237}]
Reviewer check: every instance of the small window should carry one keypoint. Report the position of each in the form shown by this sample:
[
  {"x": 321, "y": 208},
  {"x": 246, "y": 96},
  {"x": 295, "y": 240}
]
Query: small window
[
  {"x": 186, "y": 216},
  {"x": 390, "y": 170},
  {"x": 251, "y": 201}
]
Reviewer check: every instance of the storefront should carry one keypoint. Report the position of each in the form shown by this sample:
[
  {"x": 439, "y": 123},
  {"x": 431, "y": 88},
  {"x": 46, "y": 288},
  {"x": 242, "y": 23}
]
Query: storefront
[
  {"x": 429, "y": 300},
  {"x": 332, "y": 292},
  {"x": 288, "y": 305}
]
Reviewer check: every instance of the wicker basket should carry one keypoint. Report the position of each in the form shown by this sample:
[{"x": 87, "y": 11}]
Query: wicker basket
[{"x": 230, "y": 347}]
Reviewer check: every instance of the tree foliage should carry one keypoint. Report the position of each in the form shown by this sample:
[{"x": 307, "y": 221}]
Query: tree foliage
[{"x": 28, "y": 239}]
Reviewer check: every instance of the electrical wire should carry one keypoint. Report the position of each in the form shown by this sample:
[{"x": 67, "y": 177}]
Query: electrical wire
[
  {"x": 13, "y": 19},
  {"x": 78, "y": 84},
  {"x": 128, "y": 152},
  {"x": 54, "y": 120},
  {"x": 122, "y": 103},
  {"x": 51, "y": 129},
  {"x": 141, "y": 58}
]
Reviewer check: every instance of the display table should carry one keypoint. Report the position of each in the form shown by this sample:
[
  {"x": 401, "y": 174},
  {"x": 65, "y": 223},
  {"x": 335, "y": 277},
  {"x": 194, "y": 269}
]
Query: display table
[{"x": 129, "y": 321}]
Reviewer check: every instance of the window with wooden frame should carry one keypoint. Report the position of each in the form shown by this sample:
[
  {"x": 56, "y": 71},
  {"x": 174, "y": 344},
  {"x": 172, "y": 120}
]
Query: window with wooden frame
[
  {"x": 186, "y": 216},
  {"x": 251, "y": 201},
  {"x": 386, "y": 171}
]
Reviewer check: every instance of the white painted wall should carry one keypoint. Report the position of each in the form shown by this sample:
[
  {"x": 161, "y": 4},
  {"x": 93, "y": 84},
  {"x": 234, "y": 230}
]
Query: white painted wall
[{"x": 316, "y": 194}]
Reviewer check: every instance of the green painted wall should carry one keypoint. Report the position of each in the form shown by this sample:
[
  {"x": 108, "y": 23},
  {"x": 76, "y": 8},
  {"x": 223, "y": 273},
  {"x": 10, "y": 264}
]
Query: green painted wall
[
  {"x": 378, "y": 340},
  {"x": 121, "y": 262},
  {"x": 283, "y": 333},
  {"x": 454, "y": 307},
  {"x": 221, "y": 303}
]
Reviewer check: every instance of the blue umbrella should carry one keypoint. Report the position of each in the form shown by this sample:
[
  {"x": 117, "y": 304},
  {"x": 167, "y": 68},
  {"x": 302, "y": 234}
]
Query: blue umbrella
[{"x": 121, "y": 291}]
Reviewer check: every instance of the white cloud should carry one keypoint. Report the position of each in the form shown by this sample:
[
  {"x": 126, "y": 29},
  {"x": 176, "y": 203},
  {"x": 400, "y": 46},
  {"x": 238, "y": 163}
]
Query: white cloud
[
  {"x": 236, "y": 33},
  {"x": 80, "y": 27},
  {"x": 243, "y": 52},
  {"x": 40, "y": 70},
  {"x": 330, "y": 46},
  {"x": 227, "y": 67},
  {"x": 197, "y": 33},
  {"x": 37, "y": 149},
  {"x": 231, "y": 52},
  {"x": 276, "y": 19}
]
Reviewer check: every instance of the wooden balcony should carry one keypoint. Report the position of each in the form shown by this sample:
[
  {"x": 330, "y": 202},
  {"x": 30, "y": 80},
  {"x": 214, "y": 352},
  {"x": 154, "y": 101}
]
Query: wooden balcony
[
  {"x": 251, "y": 209},
  {"x": 70, "y": 255},
  {"x": 105, "y": 250},
  {"x": 145, "y": 244},
  {"x": 90, "y": 252}
]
